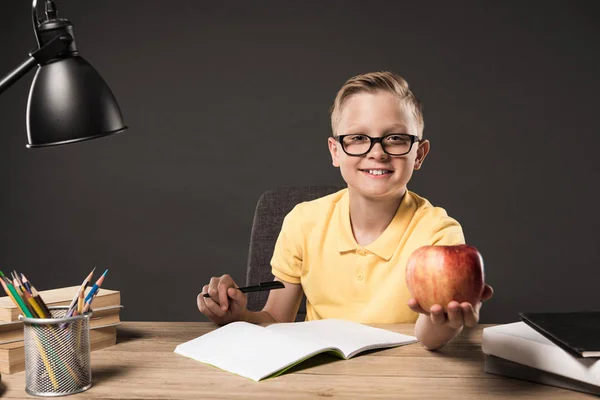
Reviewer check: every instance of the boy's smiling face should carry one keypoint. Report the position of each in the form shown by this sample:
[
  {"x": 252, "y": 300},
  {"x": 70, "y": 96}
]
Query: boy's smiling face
[{"x": 377, "y": 174}]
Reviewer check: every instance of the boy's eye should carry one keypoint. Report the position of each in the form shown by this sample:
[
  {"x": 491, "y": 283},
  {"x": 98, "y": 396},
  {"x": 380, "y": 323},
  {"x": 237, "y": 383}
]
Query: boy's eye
[
  {"x": 398, "y": 138},
  {"x": 357, "y": 138}
]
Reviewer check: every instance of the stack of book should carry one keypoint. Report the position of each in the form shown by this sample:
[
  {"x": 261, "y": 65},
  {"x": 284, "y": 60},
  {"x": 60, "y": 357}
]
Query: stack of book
[
  {"x": 557, "y": 349},
  {"x": 103, "y": 323}
]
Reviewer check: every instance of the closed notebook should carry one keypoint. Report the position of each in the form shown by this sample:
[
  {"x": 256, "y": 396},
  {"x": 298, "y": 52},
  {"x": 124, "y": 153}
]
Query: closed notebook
[
  {"x": 520, "y": 343},
  {"x": 59, "y": 297},
  {"x": 258, "y": 352},
  {"x": 576, "y": 332},
  {"x": 499, "y": 366}
]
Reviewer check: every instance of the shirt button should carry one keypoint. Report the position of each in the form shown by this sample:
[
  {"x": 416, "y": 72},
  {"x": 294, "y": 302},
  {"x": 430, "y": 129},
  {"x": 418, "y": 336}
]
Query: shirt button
[
  {"x": 359, "y": 277},
  {"x": 362, "y": 253}
]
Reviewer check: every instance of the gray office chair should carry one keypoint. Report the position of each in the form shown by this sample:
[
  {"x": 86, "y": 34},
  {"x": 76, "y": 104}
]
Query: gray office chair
[{"x": 272, "y": 207}]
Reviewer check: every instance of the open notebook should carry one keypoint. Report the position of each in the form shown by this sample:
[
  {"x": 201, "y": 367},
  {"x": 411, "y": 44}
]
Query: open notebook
[{"x": 257, "y": 352}]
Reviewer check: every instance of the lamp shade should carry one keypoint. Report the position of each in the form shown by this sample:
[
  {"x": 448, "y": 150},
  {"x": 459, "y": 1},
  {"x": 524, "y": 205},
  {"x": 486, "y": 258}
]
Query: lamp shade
[{"x": 70, "y": 102}]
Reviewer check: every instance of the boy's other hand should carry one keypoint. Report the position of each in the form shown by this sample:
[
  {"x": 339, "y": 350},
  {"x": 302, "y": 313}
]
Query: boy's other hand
[
  {"x": 459, "y": 314},
  {"x": 225, "y": 304}
]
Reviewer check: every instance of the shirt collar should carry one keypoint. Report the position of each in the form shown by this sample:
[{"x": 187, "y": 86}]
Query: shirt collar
[
  {"x": 386, "y": 244},
  {"x": 346, "y": 241}
]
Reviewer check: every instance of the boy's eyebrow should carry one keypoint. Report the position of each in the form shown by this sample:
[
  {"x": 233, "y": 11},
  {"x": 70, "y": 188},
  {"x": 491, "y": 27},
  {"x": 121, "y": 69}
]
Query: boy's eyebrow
[
  {"x": 396, "y": 128},
  {"x": 400, "y": 127}
]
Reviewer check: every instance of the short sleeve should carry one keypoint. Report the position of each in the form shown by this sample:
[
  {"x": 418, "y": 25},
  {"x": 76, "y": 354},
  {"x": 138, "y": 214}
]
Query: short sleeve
[
  {"x": 448, "y": 233},
  {"x": 286, "y": 263}
]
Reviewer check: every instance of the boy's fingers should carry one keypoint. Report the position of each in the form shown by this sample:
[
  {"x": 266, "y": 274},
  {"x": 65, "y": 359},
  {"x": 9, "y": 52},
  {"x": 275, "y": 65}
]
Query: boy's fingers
[
  {"x": 200, "y": 298},
  {"x": 413, "y": 305},
  {"x": 204, "y": 290},
  {"x": 455, "y": 315},
  {"x": 223, "y": 299},
  {"x": 204, "y": 310},
  {"x": 470, "y": 316},
  {"x": 235, "y": 294},
  {"x": 225, "y": 282},
  {"x": 488, "y": 292},
  {"x": 437, "y": 314},
  {"x": 200, "y": 302},
  {"x": 213, "y": 289},
  {"x": 213, "y": 307}
]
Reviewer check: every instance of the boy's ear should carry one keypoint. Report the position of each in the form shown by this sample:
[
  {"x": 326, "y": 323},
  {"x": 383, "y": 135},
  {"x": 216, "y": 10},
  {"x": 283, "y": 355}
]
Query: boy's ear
[
  {"x": 334, "y": 150},
  {"x": 422, "y": 152}
]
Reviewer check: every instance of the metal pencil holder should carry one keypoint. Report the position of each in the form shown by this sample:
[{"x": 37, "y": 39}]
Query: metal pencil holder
[{"x": 57, "y": 354}]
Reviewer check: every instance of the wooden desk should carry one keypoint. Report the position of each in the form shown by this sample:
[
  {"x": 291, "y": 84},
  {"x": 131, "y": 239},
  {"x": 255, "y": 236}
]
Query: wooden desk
[{"x": 143, "y": 366}]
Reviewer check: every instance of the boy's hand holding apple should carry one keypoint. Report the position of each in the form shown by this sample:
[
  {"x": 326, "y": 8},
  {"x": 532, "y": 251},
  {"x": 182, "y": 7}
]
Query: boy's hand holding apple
[{"x": 447, "y": 284}]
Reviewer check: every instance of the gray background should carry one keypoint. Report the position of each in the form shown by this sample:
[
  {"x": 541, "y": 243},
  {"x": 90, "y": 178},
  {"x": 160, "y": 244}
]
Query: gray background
[{"x": 227, "y": 99}]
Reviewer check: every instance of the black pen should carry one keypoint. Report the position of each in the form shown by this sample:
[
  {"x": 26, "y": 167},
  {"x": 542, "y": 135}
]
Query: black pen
[{"x": 261, "y": 287}]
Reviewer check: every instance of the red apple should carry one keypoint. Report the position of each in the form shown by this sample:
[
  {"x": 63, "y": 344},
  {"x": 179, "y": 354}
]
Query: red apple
[{"x": 440, "y": 274}]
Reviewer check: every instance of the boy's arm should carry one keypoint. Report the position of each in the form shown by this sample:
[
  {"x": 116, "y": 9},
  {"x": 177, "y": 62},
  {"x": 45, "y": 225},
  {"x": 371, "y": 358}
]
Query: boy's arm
[
  {"x": 286, "y": 265},
  {"x": 282, "y": 305}
]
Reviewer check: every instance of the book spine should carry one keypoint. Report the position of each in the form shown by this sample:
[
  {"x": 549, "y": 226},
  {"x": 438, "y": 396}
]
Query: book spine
[{"x": 541, "y": 356}]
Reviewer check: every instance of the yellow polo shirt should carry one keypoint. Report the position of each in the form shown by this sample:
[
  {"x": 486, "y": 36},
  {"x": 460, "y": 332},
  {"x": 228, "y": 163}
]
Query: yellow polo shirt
[{"x": 342, "y": 279}]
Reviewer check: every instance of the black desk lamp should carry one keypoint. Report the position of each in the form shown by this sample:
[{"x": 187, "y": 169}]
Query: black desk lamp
[{"x": 68, "y": 100}]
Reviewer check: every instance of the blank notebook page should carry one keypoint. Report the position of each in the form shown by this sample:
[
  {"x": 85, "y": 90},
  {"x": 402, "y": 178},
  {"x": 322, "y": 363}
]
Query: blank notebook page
[
  {"x": 247, "y": 350},
  {"x": 347, "y": 336}
]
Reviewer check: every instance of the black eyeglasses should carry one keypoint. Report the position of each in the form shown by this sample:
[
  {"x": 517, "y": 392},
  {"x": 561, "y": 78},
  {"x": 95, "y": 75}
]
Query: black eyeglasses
[{"x": 395, "y": 144}]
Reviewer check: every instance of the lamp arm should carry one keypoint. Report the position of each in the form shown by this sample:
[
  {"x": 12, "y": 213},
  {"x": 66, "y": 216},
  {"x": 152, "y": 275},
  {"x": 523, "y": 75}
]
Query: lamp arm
[
  {"x": 36, "y": 22},
  {"x": 17, "y": 73},
  {"x": 40, "y": 56}
]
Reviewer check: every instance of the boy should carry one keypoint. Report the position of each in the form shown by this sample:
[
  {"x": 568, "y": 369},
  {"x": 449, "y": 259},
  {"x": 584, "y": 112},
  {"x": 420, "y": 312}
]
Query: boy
[{"x": 348, "y": 251}]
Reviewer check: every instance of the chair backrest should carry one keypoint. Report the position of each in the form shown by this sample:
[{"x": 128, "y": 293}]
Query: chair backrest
[{"x": 271, "y": 209}]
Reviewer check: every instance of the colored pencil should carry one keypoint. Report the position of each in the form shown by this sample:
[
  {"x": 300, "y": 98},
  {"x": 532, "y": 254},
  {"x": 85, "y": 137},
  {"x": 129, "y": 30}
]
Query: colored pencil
[
  {"x": 17, "y": 284},
  {"x": 36, "y": 307},
  {"x": 80, "y": 302},
  {"x": 9, "y": 293},
  {"x": 21, "y": 292},
  {"x": 25, "y": 282},
  {"x": 16, "y": 297},
  {"x": 96, "y": 286},
  {"x": 18, "y": 281},
  {"x": 33, "y": 306},
  {"x": 5, "y": 282},
  {"x": 28, "y": 287},
  {"x": 46, "y": 362},
  {"x": 84, "y": 286},
  {"x": 88, "y": 304},
  {"x": 12, "y": 293},
  {"x": 38, "y": 299}
]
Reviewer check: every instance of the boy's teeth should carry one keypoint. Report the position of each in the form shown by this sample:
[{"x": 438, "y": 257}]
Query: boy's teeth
[{"x": 376, "y": 171}]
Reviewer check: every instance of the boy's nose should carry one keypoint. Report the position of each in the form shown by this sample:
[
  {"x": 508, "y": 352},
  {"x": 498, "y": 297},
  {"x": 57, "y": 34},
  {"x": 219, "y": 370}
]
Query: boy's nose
[{"x": 377, "y": 152}]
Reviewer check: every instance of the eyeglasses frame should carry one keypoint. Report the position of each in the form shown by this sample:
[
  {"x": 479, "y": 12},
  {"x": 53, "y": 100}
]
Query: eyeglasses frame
[{"x": 374, "y": 140}]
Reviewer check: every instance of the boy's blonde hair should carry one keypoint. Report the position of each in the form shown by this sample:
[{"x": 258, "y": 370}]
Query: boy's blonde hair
[{"x": 372, "y": 82}]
